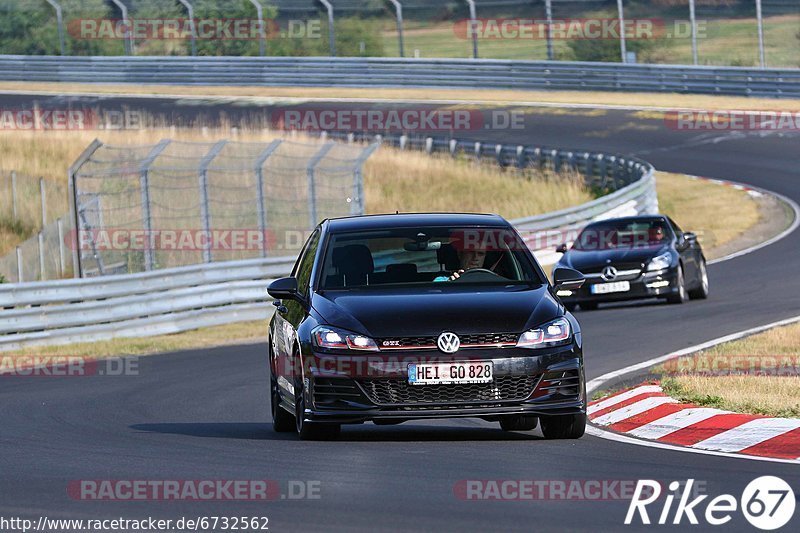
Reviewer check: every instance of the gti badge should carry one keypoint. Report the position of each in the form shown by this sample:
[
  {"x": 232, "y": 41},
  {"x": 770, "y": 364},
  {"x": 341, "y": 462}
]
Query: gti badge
[
  {"x": 448, "y": 342},
  {"x": 609, "y": 273}
]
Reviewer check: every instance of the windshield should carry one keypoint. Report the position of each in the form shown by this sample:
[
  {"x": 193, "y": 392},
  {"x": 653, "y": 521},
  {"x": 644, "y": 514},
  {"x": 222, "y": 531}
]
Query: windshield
[
  {"x": 414, "y": 256},
  {"x": 623, "y": 234}
]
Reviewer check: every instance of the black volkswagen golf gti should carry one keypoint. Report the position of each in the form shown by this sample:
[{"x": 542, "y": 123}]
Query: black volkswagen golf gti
[{"x": 389, "y": 318}]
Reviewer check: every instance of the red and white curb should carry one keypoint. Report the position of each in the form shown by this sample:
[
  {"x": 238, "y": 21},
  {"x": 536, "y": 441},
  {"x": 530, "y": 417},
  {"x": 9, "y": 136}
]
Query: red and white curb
[{"x": 646, "y": 412}]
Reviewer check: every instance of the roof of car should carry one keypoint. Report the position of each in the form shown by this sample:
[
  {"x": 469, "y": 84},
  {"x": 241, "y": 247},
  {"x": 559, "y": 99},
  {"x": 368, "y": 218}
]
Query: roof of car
[
  {"x": 366, "y": 222},
  {"x": 639, "y": 218}
]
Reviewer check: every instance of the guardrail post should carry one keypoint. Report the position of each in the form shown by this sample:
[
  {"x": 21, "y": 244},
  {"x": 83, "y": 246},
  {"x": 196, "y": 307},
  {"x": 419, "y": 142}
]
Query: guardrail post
[
  {"x": 473, "y": 27},
  {"x": 43, "y": 198},
  {"x": 129, "y": 44},
  {"x": 312, "y": 193},
  {"x": 477, "y": 150},
  {"x": 19, "y": 265},
  {"x": 357, "y": 203},
  {"x": 622, "y": 48},
  {"x": 205, "y": 213},
  {"x": 62, "y": 263},
  {"x": 262, "y": 207},
  {"x": 144, "y": 189},
  {"x": 428, "y": 145},
  {"x": 453, "y": 147},
  {"x": 60, "y": 22},
  {"x": 14, "y": 194},
  {"x": 40, "y": 239},
  {"x": 398, "y": 10},
  {"x": 759, "y": 16},
  {"x": 548, "y": 10},
  {"x": 190, "y": 14},
  {"x": 331, "y": 34}
]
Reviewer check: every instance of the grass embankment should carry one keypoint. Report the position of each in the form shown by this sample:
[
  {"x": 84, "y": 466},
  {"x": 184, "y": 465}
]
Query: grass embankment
[{"x": 726, "y": 377}]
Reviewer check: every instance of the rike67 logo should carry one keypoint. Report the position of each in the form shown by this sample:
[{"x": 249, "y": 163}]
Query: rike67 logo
[{"x": 767, "y": 502}]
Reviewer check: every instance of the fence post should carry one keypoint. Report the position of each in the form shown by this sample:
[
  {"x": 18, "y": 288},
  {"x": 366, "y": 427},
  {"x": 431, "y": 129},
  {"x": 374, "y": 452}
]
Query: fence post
[
  {"x": 19, "y": 265},
  {"x": 190, "y": 14},
  {"x": 693, "y": 22},
  {"x": 128, "y": 43},
  {"x": 262, "y": 37},
  {"x": 62, "y": 262},
  {"x": 622, "y": 48},
  {"x": 75, "y": 207},
  {"x": 40, "y": 239},
  {"x": 60, "y": 22},
  {"x": 312, "y": 193},
  {"x": 205, "y": 213},
  {"x": 14, "y": 194},
  {"x": 398, "y": 9},
  {"x": 548, "y": 13},
  {"x": 357, "y": 204},
  {"x": 331, "y": 34},
  {"x": 262, "y": 208},
  {"x": 473, "y": 27},
  {"x": 43, "y": 197},
  {"x": 761, "y": 57},
  {"x": 144, "y": 190}
]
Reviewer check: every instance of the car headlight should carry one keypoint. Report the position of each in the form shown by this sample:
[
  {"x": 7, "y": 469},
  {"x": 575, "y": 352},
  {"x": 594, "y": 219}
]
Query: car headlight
[
  {"x": 339, "y": 339},
  {"x": 660, "y": 262},
  {"x": 555, "y": 332}
]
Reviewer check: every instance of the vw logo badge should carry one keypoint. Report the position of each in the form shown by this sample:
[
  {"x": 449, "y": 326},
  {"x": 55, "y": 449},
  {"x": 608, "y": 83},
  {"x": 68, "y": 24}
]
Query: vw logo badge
[
  {"x": 609, "y": 273},
  {"x": 448, "y": 342}
]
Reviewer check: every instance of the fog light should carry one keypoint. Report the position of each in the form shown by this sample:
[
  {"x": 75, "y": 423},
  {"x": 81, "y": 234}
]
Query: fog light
[
  {"x": 564, "y": 293},
  {"x": 658, "y": 284}
]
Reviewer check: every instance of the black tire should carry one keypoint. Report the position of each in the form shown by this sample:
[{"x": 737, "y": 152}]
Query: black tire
[
  {"x": 282, "y": 420},
  {"x": 563, "y": 426},
  {"x": 679, "y": 296},
  {"x": 589, "y": 306},
  {"x": 701, "y": 292},
  {"x": 519, "y": 423},
  {"x": 311, "y": 430}
]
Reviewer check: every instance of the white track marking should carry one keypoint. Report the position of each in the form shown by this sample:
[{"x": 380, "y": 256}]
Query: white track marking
[
  {"x": 633, "y": 409},
  {"x": 748, "y": 434},
  {"x": 619, "y": 398},
  {"x": 674, "y": 422}
]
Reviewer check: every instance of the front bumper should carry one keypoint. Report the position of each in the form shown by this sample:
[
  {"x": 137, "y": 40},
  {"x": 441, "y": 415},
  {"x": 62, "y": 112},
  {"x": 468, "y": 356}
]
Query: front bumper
[
  {"x": 541, "y": 382},
  {"x": 658, "y": 284}
]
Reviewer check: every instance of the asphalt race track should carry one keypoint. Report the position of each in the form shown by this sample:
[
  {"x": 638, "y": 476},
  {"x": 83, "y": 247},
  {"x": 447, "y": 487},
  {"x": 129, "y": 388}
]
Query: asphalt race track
[{"x": 205, "y": 414}]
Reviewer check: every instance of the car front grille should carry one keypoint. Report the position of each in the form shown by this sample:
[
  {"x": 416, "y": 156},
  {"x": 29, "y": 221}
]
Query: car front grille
[
  {"x": 399, "y": 391},
  {"x": 597, "y": 269},
  {"x": 559, "y": 383},
  {"x": 333, "y": 392},
  {"x": 467, "y": 341}
]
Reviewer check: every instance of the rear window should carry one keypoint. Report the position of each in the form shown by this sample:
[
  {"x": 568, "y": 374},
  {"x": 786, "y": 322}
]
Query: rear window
[{"x": 423, "y": 256}]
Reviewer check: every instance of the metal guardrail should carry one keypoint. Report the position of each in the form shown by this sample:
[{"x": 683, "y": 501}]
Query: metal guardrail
[
  {"x": 403, "y": 72},
  {"x": 189, "y": 297}
]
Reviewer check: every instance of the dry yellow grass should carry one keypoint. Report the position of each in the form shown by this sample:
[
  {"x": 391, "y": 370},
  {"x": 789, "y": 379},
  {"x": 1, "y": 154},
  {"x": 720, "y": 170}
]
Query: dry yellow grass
[
  {"x": 394, "y": 180},
  {"x": 717, "y": 214},
  {"x": 477, "y": 95},
  {"x": 229, "y": 334},
  {"x": 776, "y": 395}
]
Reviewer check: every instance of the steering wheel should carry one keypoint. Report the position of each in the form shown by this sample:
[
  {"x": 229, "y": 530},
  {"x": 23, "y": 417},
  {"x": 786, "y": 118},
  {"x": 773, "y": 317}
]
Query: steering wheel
[{"x": 478, "y": 274}]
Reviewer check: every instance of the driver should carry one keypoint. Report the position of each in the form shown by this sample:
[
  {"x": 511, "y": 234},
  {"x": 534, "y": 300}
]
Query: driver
[{"x": 467, "y": 259}]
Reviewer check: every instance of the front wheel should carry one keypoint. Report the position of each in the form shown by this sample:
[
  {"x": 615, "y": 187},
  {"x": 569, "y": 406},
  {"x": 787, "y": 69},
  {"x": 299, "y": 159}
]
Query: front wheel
[
  {"x": 701, "y": 292},
  {"x": 282, "y": 420},
  {"x": 311, "y": 430},
  {"x": 679, "y": 296},
  {"x": 563, "y": 426}
]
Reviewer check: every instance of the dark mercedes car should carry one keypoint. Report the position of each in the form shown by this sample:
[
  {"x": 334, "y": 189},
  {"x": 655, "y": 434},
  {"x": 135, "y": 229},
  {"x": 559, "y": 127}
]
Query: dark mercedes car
[
  {"x": 634, "y": 257},
  {"x": 389, "y": 318}
]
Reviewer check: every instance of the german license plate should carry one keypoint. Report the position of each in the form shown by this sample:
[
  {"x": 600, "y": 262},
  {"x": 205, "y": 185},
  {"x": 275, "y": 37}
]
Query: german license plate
[
  {"x": 450, "y": 373},
  {"x": 614, "y": 286}
]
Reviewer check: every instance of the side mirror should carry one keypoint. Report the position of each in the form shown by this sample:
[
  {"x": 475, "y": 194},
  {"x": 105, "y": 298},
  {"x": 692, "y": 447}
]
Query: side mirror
[
  {"x": 283, "y": 288},
  {"x": 567, "y": 279},
  {"x": 561, "y": 248},
  {"x": 690, "y": 236}
]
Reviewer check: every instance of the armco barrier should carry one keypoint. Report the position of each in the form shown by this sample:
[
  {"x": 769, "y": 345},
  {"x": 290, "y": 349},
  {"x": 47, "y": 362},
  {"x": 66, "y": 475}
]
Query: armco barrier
[
  {"x": 403, "y": 72},
  {"x": 183, "y": 298}
]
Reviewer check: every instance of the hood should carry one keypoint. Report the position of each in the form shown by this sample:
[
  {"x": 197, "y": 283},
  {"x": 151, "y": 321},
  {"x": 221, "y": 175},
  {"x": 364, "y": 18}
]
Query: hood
[
  {"x": 580, "y": 260},
  {"x": 391, "y": 313}
]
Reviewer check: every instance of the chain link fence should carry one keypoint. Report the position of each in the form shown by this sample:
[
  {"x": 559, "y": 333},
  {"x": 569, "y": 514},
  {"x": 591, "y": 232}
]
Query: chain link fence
[{"x": 175, "y": 203}]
